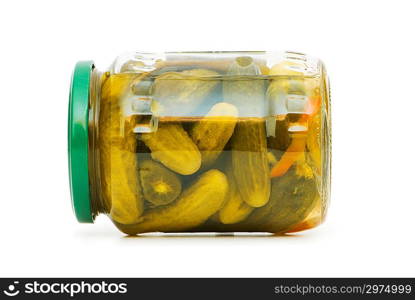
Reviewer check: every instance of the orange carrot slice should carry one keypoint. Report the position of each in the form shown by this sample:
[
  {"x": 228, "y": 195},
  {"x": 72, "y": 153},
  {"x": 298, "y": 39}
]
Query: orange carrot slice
[
  {"x": 291, "y": 155},
  {"x": 313, "y": 105}
]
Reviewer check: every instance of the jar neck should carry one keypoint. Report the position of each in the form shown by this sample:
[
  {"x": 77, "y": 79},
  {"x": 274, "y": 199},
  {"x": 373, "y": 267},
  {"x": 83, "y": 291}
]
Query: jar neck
[{"x": 97, "y": 201}]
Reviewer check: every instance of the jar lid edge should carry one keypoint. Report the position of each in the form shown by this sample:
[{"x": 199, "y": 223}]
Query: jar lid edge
[{"x": 78, "y": 113}]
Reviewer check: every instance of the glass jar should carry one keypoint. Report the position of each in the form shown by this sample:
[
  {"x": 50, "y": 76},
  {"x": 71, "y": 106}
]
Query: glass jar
[{"x": 201, "y": 142}]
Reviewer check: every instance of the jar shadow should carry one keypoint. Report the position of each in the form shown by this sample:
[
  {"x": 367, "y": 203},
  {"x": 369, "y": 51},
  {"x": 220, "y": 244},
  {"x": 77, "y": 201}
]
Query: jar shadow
[{"x": 210, "y": 235}]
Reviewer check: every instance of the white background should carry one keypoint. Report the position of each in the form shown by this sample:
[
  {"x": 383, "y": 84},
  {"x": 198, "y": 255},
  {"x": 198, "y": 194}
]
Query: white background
[{"x": 368, "y": 48}]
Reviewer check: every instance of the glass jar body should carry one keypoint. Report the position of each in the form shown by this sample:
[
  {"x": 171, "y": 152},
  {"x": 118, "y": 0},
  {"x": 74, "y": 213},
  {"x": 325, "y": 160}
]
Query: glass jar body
[{"x": 211, "y": 142}]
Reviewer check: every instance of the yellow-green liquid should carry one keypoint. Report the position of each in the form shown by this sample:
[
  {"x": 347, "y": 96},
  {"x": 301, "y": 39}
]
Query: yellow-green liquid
[{"x": 235, "y": 190}]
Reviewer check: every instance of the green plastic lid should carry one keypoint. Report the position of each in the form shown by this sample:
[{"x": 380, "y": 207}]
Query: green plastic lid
[{"x": 78, "y": 141}]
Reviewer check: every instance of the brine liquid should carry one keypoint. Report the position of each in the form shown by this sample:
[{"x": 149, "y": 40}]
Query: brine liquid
[{"x": 276, "y": 165}]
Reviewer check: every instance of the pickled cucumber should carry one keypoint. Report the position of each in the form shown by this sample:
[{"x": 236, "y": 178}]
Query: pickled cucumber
[
  {"x": 172, "y": 146},
  {"x": 247, "y": 94},
  {"x": 292, "y": 199},
  {"x": 280, "y": 138},
  {"x": 250, "y": 162},
  {"x": 194, "y": 206},
  {"x": 235, "y": 209},
  {"x": 182, "y": 93},
  {"x": 121, "y": 189},
  {"x": 160, "y": 185},
  {"x": 290, "y": 78},
  {"x": 211, "y": 133},
  {"x": 249, "y": 145}
]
